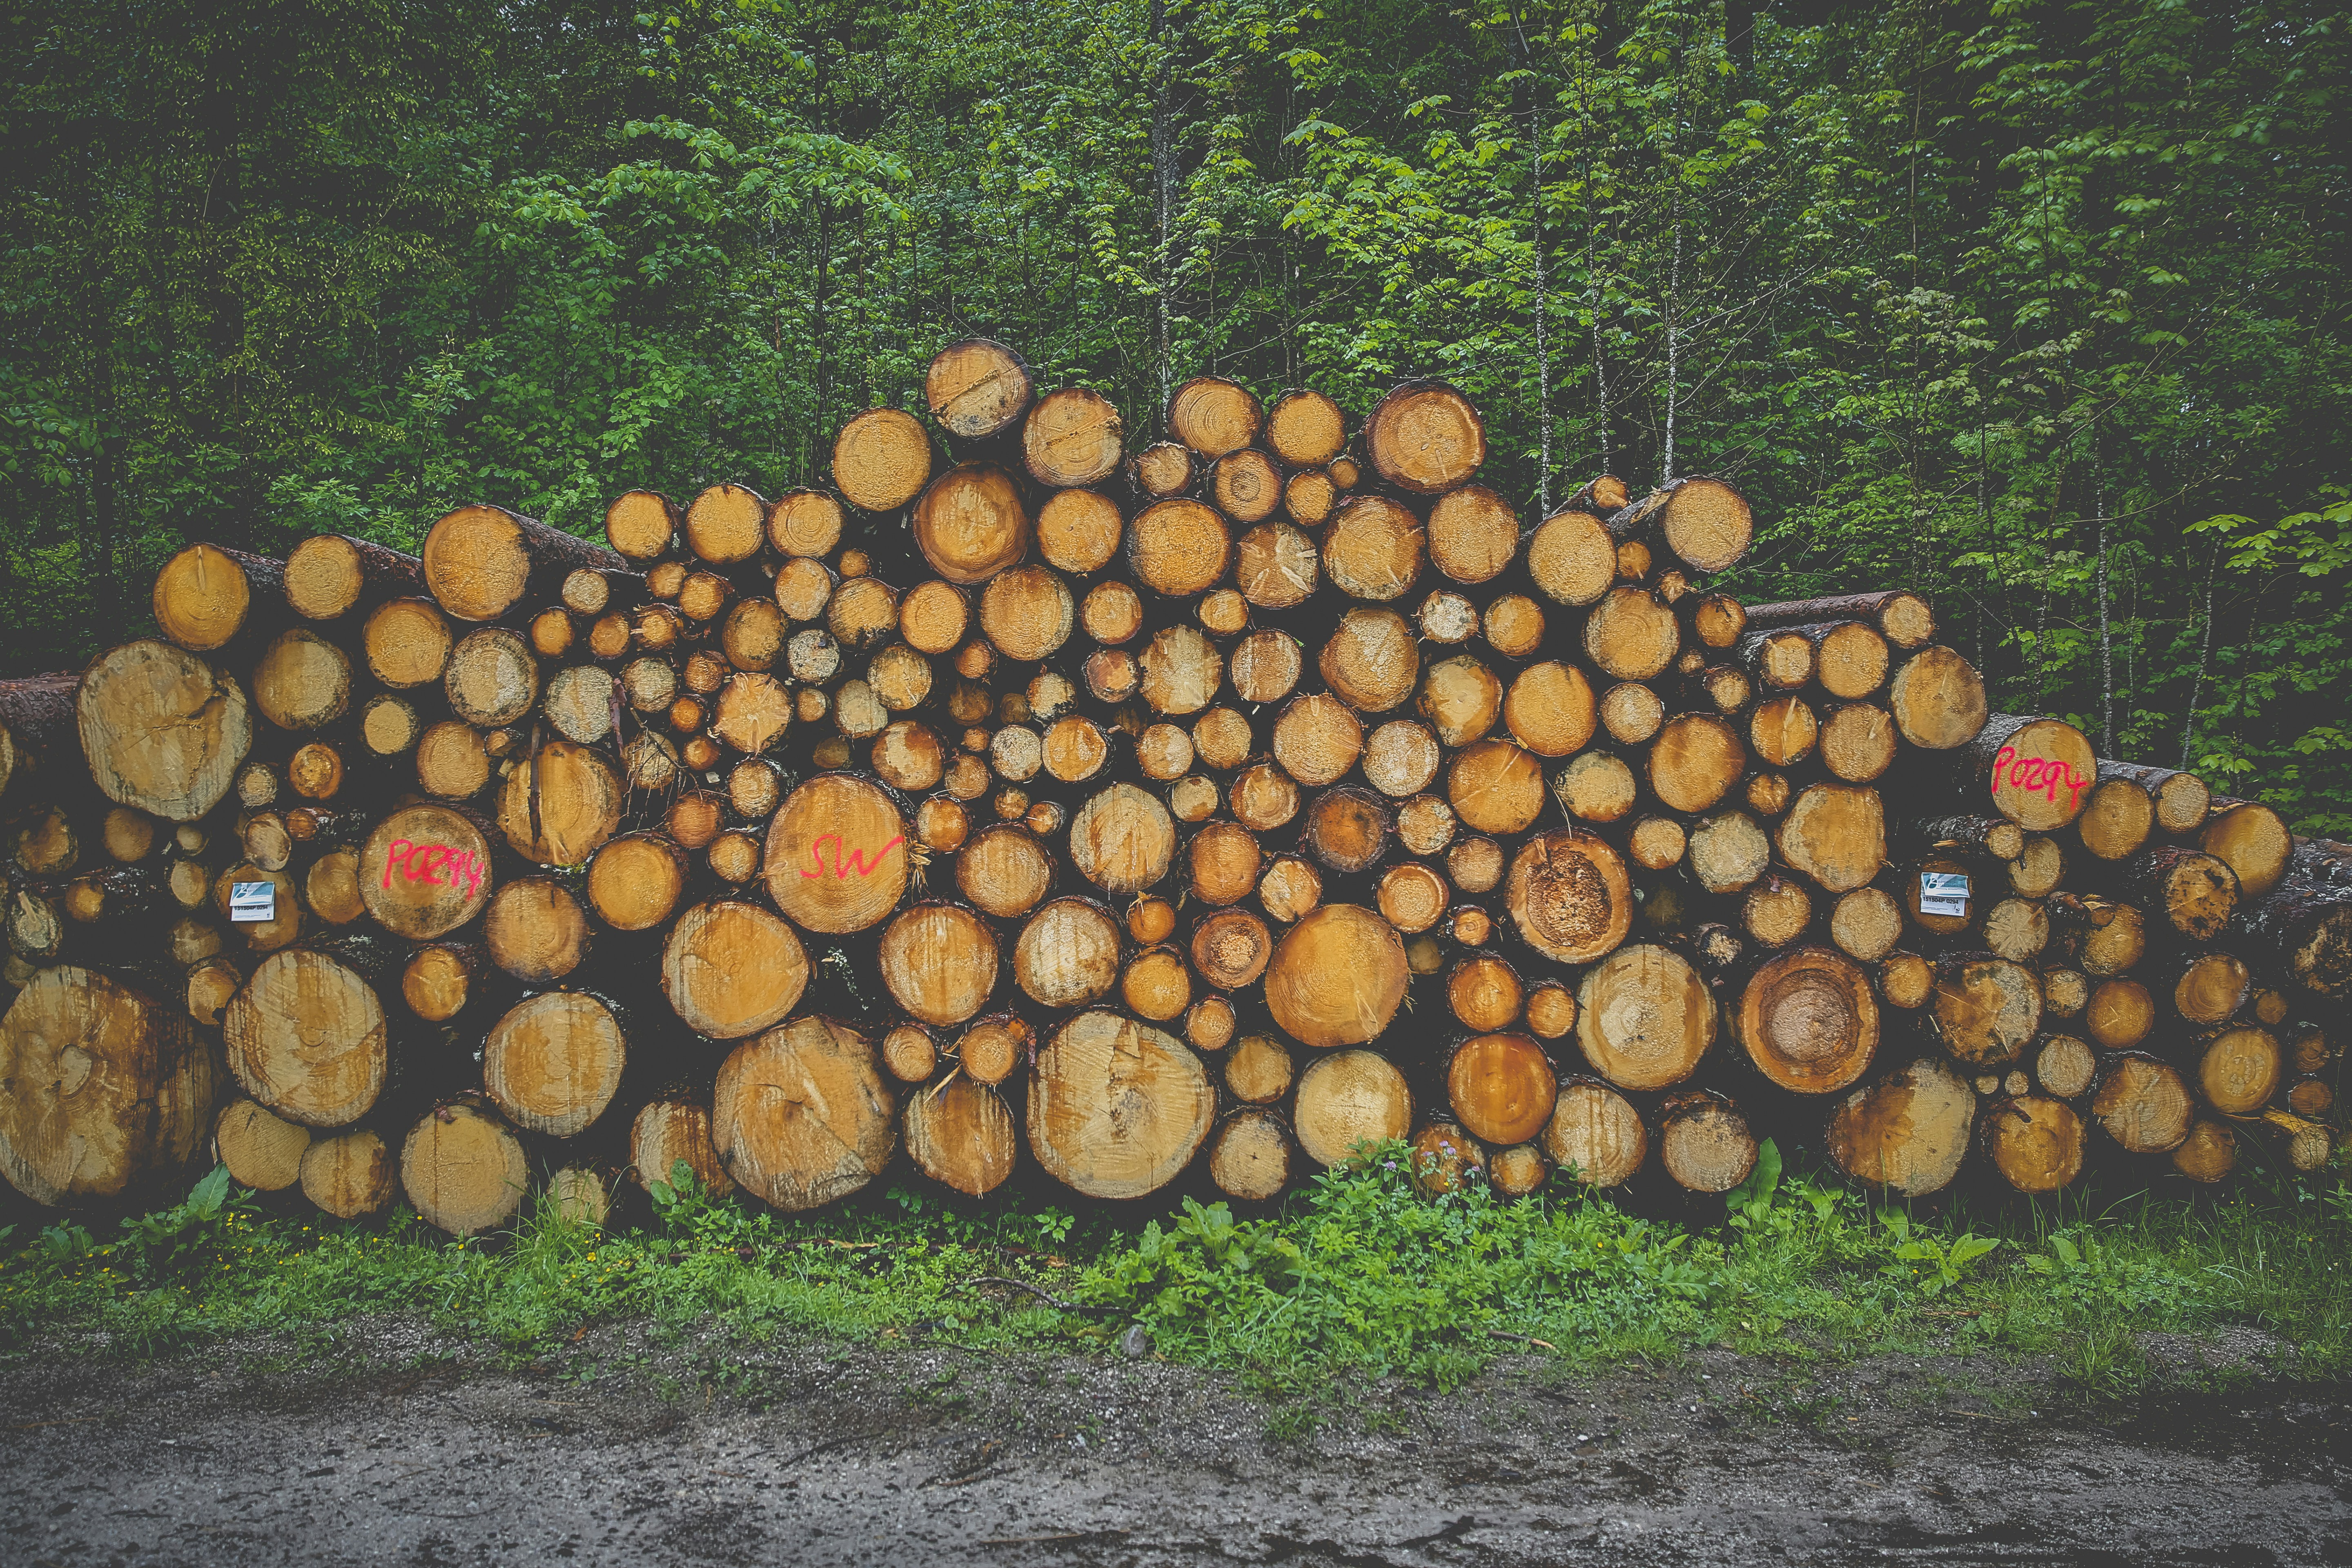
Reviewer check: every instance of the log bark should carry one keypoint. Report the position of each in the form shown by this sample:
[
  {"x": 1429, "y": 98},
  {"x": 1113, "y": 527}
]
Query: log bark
[
  {"x": 480, "y": 561},
  {"x": 1904, "y": 618},
  {"x": 2308, "y": 927},
  {"x": 1116, "y": 1109},
  {"x": 801, "y": 1117}
]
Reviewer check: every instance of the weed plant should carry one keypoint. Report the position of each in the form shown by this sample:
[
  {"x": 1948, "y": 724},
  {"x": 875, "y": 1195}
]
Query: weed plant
[{"x": 1361, "y": 1272}]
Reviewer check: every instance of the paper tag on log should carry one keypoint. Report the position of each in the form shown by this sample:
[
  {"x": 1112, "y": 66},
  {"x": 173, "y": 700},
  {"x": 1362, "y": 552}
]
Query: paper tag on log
[
  {"x": 253, "y": 900},
  {"x": 1943, "y": 893}
]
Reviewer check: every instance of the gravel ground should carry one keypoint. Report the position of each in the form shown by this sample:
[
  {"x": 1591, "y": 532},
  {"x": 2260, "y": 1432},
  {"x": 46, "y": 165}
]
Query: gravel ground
[{"x": 395, "y": 1448}]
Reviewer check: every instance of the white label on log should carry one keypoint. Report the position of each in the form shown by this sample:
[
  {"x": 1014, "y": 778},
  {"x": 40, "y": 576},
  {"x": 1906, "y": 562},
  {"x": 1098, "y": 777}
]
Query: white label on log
[
  {"x": 1943, "y": 893},
  {"x": 252, "y": 902}
]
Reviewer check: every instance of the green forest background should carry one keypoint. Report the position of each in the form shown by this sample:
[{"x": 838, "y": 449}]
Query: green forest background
[{"x": 2038, "y": 307}]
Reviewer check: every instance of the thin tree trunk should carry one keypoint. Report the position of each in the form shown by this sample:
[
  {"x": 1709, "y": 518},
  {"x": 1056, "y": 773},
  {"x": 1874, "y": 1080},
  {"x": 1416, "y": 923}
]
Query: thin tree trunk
[
  {"x": 2106, "y": 638},
  {"x": 1163, "y": 182},
  {"x": 1673, "y": 335},
  {"x": 2204, "y": 660}
]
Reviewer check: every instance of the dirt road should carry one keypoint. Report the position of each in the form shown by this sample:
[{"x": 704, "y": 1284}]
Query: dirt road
[{"x": 398, "y": 1449}]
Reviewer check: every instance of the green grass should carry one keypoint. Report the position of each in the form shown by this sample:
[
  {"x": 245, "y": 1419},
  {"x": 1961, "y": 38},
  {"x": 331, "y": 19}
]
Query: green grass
[{"x": 1360, "y": 1273}]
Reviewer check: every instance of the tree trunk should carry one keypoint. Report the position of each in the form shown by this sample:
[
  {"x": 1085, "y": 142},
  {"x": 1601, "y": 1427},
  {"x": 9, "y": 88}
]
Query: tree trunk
[
  {"x": 425, "y": 870},
  {"x": 1905, "y": 619},
  {"x": 1836, "y": 834},
  {"x": 1501, "y": 1086},
  {"x": 2194, "y": 892},
  {"x": 1373, "y": 548},
  {"x": 1644, "y": 1017},
  {"x": 2308, "y": 927}
]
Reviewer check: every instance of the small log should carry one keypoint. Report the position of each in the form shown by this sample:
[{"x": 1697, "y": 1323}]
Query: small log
[
  {"x": 1704, "y": 1142},
  {"x": 2120, "y": 1015},
  {"x": 1728, "y": 852},
  {"x": 1906, "y": 980},
  {"x": 1937, "y": 700},
  {"x": 1986, "y": 1009},
  {"x": 1594, "y": 1135},
  {"x": 481, "y": 562},
  {"x": 1513, "y": 626},
  {"x": 205, "y": 594},
  {"x": 1373, "y": 549},
  {"x": 352, "y": 1175},
  {"x": 1122, "y": 839},
  {"x": 2211, "y": 987},
  {"x": 1568, "y": 896},
  {"x": 1631, "y": 634},
  {"x": 2210, "y": 1153},
  {"x": 2238, "y": 1069},
  {"x": 880, "y": 459},
  {"x": 1866, "y": 923},
  {"x": 977, "y": 388},
  {"x": 2181, "y": 799},
  {"x": 1570, "y": 558},
  {"x": 536, "y": 931},
  {"x": 1784, "y": 730},
  {"x": 1337, "y": 978},
  {"x": 1424, "y": 438},
  {"x": 1501, "y": 1086},
  {"x": 939, "y": 961},
  {"x": 1251, "y": 1157},
  {"x": 440, "y": 978},
  {"x": 1246, "y": 485},
  {"x": 801, "y": 1118},
  {"x": 330, "y": 575},
  {"x": 1474, "y": 534},
  {"x": 1809, "y": 1021},
  {"x": 2253, "y": 840},
  {"x": 1072, "y": 438},
  {"x": 2195, "y": 893},
  {"x": 1306, "y": 429},
  {"x": 1775, "y": 912},
  {"x": 1907, "y": 1132},
  {"x": 673, "y": 1129},
  {"x": 1694, "y": 761},
  {"x": 2035, "y": 1143},
  {"x": 1835, "y": 835},
  {"x": 640, "y": 525},
  {"x": 2099, "y": 936},
  {"x": 837, "y": 859},
  {"x": 2118, "y": 818},
  {"x": 2065, "y": 1066},
  {"x": 1644, "y": 1017},
  {"x": 1444, "y": 1159},
  {"x": 1858, "y": 742}
]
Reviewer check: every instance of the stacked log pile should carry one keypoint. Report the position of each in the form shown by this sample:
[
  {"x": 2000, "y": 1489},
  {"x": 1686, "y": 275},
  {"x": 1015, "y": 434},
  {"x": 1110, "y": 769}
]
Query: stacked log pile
[{"x": 1127, "y": 812}]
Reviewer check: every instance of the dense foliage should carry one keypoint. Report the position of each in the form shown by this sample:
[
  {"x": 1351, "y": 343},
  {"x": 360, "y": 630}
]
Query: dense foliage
[{"x": 2037, "y": 306}]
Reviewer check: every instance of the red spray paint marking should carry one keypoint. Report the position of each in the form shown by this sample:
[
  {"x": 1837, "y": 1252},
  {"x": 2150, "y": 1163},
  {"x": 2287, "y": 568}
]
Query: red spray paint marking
[
  {"x": 435, "y": 863},
  {"x": 2037, "y": 773},
  {"x": 858, "y": 860}
]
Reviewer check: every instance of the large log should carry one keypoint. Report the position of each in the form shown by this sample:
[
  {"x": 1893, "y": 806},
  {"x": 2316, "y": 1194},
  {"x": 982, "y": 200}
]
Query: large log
[
  {"x": 1072, "y": 438},
  {"x": 977, "y": 388},
  {"x": 1425, "y": 438},
  {"x": 553, "y": 1062},
  {"x": 330, "y": 575},
  {"x": 1937, "y": 700},
  {"x": 1809, "y": 1021},
  {"x": 308, "y": 1039},
  {"x": 2253, "y": 839},
  {"x": 103, "y": 1090},
  {"x": 1595, "y": 1135},
  {"x": 1908, "y": 1132},
  {"x": 881, "y": 459},
  {"x": 801, "y": 1117},
  {"x": 2036, "y": 1143},
  {"x": 481, "y": 562},
  {"x": 1348, "y": 1099},
  {"x": 962, "y": 1135},
  {"x": 1116, "y": 1109},
  {"x": 1644, "y": 1017},
  {"x": 731, "y": 969},
  {"x": 1568, "y": 896},
  {"x": 162, "y": 729},
  {"x": 204, "y": 595},
  {"x": 1501, "y": 1086},
  {"x": 462, "y": 1168}
]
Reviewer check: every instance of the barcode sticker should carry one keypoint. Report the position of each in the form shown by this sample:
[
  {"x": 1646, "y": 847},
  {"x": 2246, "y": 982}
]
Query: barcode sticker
[
  {"x": 1943, "y": 893},
  {"x": 252, "y": 902}
]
